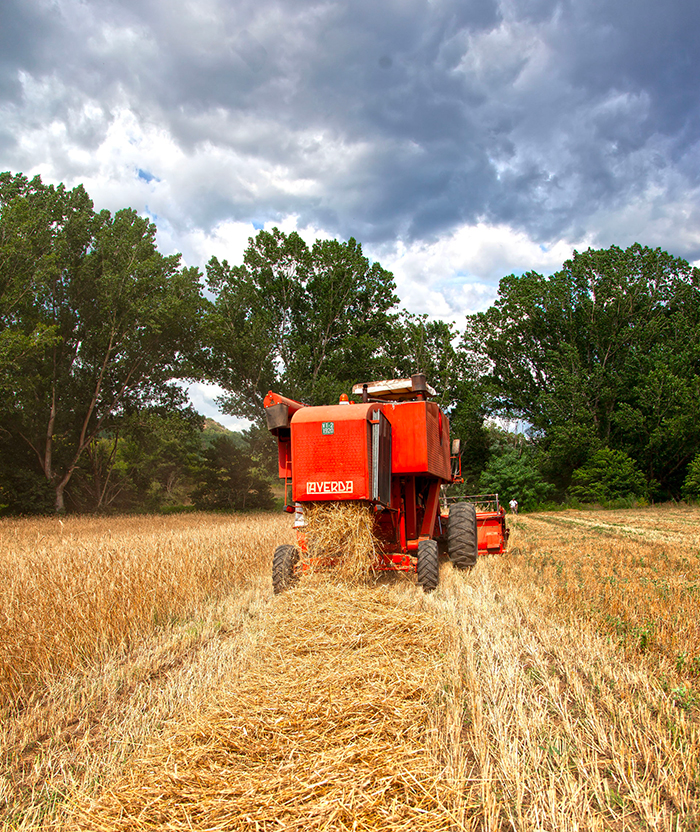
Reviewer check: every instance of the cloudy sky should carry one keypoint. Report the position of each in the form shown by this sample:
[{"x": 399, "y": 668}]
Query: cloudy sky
[{"x": 457, "y": 140}]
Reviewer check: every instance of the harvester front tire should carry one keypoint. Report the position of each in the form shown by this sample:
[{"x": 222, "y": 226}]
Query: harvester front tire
[
  {"x": 284, "y": 562},
  {"x": 462, "y": 542},
  {"x": 428, "y": 568}
]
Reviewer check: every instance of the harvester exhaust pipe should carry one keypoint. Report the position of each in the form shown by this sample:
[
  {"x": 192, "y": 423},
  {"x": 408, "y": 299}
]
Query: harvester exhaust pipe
[{"x": 419, "y": 383}]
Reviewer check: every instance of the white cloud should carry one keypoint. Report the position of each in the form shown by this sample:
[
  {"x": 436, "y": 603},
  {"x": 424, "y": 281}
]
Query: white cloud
[
  {"x": 203, "y": 398},
  {"x": 226, "y": 241},
  {"x": 652, "y": 219},
  {"x": 458, "y": 274}
]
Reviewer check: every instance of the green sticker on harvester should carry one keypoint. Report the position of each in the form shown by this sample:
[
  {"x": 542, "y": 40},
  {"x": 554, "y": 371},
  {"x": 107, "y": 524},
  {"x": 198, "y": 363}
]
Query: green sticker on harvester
[{"x": 327, "y": 428}]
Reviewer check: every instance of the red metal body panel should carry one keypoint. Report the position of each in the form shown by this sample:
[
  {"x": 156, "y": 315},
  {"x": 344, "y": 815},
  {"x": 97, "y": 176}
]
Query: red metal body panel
[
  {"x": 432, "y": 506},
  {"x": 492, "y": 532},
  {"x": 332, "y": 462},
  {"x": 410, "y": 508},
  {"x": 284, "y": 458},
  {"x": 420, "y": 439}
]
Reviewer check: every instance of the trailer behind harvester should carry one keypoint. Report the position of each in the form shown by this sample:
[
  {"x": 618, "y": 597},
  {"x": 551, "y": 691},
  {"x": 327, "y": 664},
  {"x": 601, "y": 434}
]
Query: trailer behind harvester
[{"x": 391, "y": 452}]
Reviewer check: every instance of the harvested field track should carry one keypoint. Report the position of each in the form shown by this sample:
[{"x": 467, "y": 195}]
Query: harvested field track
[
  {"x": 328, "y": 726},
  {"x": 554, "y": 688}
]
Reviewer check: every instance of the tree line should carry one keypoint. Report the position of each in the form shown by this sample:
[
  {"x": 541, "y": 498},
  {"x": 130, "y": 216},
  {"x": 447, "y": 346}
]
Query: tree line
[{"x": 99, "y": 332}]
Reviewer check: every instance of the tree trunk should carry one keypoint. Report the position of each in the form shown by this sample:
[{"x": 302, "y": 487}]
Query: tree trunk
[
  {"x": 61, "y": 487},
  {"x": 60, "y": 506}
]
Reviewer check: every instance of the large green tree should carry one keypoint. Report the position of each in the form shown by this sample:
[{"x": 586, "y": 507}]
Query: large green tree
[
  {"x": 513, "y": 475},
  {"x": 229, "y": 477},
  {"x": 607, "y": 475},
  {"x": 605, "y": 352},
  {"x": 302, "y": 321},
  {"x": 144, "y": 462},
  {"x": 95, "y": 323}
]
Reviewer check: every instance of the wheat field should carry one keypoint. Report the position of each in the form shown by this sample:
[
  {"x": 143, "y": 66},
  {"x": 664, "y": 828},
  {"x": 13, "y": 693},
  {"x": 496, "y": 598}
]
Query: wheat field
[{"x": 150, "y": 680}]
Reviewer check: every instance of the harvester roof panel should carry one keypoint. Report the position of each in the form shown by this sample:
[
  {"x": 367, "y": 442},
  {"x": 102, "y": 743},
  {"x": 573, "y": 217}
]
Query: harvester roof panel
[{"x": 395, "y": 388}]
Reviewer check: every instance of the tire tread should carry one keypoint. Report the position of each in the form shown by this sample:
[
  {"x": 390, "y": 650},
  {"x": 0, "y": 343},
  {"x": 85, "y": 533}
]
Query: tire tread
[
  {"x": 284, "y": 561},
  {"x": 428, "y": 565},
  {"x": 462, "y": 541}
]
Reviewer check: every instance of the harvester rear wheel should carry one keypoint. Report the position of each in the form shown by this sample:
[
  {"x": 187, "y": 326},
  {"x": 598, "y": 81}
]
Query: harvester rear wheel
[
  {"x": 428, "y": 567},
  {"x": 462, "y": 543},
  {"x": 284, "y": 560}
]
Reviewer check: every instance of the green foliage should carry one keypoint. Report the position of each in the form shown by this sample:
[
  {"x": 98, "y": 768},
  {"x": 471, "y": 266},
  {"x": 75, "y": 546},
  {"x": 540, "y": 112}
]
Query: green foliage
[
  {"x": 144, "y": 464},
  {"x": 259, "y": 443},
  {"x": 608, "y": 475},
  {"x": 94, "y": 323},
  {"x": 691, "y": 483},
  {"x": 419, "y": 345},
  {"x": 566, "y": 447},
  {"x": 605, "y": 352},
  {"x": 213, "y": 429},
  {"x": 23, "y": 489},
  {"x": 229, "y": 478},
  {"x": 467, "y": 425},
  {"x": 512, "y": 474}
]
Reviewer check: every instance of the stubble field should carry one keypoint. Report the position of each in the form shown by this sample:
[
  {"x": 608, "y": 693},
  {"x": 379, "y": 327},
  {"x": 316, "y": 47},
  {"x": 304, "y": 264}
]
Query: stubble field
[{"x": 149, "y": 680}]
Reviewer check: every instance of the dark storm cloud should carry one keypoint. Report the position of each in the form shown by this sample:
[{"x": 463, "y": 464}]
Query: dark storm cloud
[
  {"x": 649, "y": 47},
  {"x": 23, "y": 27},
  {"x": 534, "y": 113}
]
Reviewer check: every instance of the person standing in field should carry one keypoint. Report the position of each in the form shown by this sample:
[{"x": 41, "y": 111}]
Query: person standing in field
[{"x": 513, "y": 506}]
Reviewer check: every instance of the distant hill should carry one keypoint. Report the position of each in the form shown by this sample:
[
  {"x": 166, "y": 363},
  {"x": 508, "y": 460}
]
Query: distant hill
[{"x": 212, "y": 429}]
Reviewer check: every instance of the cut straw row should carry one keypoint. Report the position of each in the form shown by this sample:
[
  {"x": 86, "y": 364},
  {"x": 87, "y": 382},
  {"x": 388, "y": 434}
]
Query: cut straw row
[{"x": 328, "y": 730}]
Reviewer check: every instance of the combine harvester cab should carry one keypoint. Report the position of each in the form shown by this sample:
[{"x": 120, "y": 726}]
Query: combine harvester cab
[{"x": 391, "y": 452}]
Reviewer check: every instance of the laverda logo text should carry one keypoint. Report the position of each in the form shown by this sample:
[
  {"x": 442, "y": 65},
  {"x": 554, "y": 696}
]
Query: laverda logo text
[{"x": 337, "y": 487}]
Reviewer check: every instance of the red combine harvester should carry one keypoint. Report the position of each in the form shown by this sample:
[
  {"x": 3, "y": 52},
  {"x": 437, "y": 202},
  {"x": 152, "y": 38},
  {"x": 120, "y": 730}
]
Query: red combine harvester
[{"x": 391, "y": 451}]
